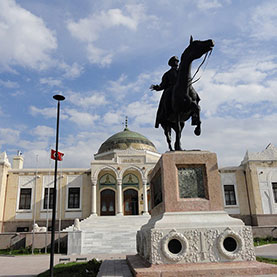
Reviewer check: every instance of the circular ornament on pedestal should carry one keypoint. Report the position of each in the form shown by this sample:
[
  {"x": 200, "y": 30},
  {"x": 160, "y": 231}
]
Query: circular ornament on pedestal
[
  {"x": 230, "y": 244},
  {"x": 174, "y": 246}
]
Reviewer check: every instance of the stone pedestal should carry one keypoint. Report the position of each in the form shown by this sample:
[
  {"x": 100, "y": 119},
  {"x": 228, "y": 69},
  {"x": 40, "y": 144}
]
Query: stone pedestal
[{"x": 188, "y": 224}]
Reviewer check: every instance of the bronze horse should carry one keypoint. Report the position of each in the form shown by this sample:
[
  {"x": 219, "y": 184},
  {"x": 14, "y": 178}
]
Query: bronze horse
[{"x": 184, "y": 99}]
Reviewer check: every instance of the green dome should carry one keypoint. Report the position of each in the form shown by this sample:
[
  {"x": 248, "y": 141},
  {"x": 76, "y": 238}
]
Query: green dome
[{"x": 126, "y": 139}]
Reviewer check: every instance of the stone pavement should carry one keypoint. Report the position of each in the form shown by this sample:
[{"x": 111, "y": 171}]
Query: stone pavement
[
  {"x": 267, "y": 251},
  {"x": 116, "y": 267},
  {"x": 32, "y": 265},
  {"x": 113, "y": 264}
]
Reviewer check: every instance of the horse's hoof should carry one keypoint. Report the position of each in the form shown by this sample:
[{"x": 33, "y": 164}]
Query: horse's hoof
[{"x": 197, "y": 131}]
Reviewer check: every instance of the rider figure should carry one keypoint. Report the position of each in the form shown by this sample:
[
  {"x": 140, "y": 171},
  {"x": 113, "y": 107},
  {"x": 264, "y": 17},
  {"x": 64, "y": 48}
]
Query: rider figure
[{"x": 168, "y": 81}]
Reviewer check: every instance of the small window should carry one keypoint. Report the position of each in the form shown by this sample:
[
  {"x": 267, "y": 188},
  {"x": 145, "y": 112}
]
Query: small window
[
  {"x": 230, "y": 196},
  {"x": 274, "y": 188},
  {"x": 25, "y": 199},
  {"x": 45, "y": 202},
  {"x": 74, "y": 198}
]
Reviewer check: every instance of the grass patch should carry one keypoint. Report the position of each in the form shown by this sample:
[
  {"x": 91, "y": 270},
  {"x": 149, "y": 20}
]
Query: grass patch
[
  {"x": 263, "y": 241},
  {"x": 266, "y": 260},
  {"x": 73, "y": 269}
]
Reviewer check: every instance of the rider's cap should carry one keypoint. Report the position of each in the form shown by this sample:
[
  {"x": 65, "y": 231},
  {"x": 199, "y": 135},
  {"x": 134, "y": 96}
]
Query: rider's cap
[{"x": 172, "y": 60}]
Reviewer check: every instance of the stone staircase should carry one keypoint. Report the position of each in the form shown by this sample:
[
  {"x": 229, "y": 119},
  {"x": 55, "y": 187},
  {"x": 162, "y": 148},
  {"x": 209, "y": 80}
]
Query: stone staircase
[{"x": 105, "y": 235}]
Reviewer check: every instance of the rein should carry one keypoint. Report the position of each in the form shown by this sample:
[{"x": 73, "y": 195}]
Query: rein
[{"x": 208, "y": 54}]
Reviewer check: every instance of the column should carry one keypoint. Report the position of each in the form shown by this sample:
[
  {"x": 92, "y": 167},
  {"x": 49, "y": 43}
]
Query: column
[
  {"x": 119, "y": 197},
  {"x": 145, "y": 200},
  {"x": 93, "y": 198}
]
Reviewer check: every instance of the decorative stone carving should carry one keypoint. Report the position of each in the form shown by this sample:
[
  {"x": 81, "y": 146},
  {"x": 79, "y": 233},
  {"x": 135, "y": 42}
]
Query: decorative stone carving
[
  {"x": 155, "y": 256},
  {"x": 173, "y": 236},
  {"x": 248, "y": 252},
  {"x": 76, "y": 226},
  {"x": 217, "y": 242},
  {"x": 235, "y": 246},
  {"x": 38, "y": 229}
]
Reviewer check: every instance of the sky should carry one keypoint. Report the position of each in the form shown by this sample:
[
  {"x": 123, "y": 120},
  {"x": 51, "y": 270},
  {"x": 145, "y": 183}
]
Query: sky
[{"x": 103, "y": 55}]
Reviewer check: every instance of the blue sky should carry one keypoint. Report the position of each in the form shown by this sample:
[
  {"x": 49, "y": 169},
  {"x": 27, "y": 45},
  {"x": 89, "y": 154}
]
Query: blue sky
[{"x": 103, "y": 56}]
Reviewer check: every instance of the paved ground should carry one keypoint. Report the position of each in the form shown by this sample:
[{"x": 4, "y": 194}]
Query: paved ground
[
  {"x": 267, "y": 251},
  {"x": 29, "y": 266},
  {"x": 113, "y": 265}
]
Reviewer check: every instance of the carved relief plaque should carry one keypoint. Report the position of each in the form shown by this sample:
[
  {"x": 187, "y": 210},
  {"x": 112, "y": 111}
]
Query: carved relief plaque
[{"x": 191, "y": 181}]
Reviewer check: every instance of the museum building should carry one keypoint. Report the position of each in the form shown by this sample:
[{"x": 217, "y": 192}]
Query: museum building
[{"x": 117, "y": 184}]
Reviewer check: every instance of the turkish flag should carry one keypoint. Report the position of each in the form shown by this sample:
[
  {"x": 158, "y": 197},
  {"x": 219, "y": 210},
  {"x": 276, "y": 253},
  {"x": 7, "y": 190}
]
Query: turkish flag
[{"x": 53, "y": 155}]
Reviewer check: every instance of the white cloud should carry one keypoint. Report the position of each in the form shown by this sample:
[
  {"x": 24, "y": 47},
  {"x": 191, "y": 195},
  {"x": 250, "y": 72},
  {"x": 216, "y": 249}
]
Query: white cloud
[
  {"x": 142, "y": 112},
  {"x": 9, "y": 136},
  {"x": 51, "y": 82},
  {"x": 111, "y": 118},
  {"x": 18, "y": 93},
  {"x": 208, "y": 4},
  {"x": 9, "y": 84},
  {"x": 101, "y": 26},
  {"x": 46, "y": 112},
  {"x": 25, "y": 40},
  {"x": 123, "y": 87},
  {"x": 91, "y": 99},
  {"x": 88, "y": 29},
  {"x": 43, "y": 132},
  {"x": 82, "y": 119},
  {"x": 263, "y": 21},
  {"x": 72, "y": 71},
  {"x": 245, "y": 82}
]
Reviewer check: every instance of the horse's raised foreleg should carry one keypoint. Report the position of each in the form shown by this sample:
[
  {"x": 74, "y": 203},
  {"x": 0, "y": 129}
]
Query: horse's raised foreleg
[{"x": 167, "y": 132}]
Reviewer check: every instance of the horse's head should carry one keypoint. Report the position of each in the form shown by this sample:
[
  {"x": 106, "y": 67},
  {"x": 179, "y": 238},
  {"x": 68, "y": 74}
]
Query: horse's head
[{"x": 197, "y": 48}]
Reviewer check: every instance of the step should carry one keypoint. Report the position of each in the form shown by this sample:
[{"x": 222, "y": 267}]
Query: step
[
  {"x": 119, "y": 222},
  {"x": 104, "y": 235}
]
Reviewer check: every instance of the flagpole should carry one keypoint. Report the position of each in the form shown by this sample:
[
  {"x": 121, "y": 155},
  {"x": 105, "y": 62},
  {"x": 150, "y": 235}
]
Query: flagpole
[
  {"x": 47, "y": 204},
  {"x": 60, "y": 208},
  {"x": 58, "y": 98},
  {"x": 34, "y": 205}
]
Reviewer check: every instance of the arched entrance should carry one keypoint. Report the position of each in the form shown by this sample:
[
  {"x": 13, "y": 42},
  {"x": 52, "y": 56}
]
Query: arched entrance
[
  {"x": 130, "y": 202},
  {"x": 107, "y": 202}
]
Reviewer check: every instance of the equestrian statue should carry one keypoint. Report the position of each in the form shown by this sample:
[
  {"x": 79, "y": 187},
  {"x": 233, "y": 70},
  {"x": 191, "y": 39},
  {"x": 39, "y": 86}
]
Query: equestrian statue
[{"x": 179, "y": 101}]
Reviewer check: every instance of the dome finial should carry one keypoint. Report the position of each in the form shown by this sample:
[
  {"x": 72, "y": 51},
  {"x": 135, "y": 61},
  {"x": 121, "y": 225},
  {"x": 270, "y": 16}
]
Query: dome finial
[{"x": 126, "y": 123}]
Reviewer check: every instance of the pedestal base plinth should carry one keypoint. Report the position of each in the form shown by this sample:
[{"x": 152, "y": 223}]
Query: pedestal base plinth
[
  {"x": 140, "y": 267},
  {"x": 195, "y": 237}
]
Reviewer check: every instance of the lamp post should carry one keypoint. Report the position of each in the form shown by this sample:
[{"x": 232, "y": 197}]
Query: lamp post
[{"x": 59, "y": 98}]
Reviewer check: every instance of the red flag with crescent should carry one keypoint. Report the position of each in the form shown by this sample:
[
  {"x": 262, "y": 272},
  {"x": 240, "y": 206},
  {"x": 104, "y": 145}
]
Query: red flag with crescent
[{"x": 53, "y": 155}]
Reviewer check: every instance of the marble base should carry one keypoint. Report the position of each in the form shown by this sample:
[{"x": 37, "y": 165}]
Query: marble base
[
  {"x": 141, "y": 268},
  {"x": 195, "y": 237}
]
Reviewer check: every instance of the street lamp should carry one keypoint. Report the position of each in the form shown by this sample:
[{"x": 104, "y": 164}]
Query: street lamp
[{"x": 59, "y": 98}]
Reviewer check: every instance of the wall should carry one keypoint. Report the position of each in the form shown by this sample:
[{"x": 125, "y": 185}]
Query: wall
[
  {"x": 14, "y": 218},
  {"x": 4, "y": 167},
  {"x": 23, "y": 240}
]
